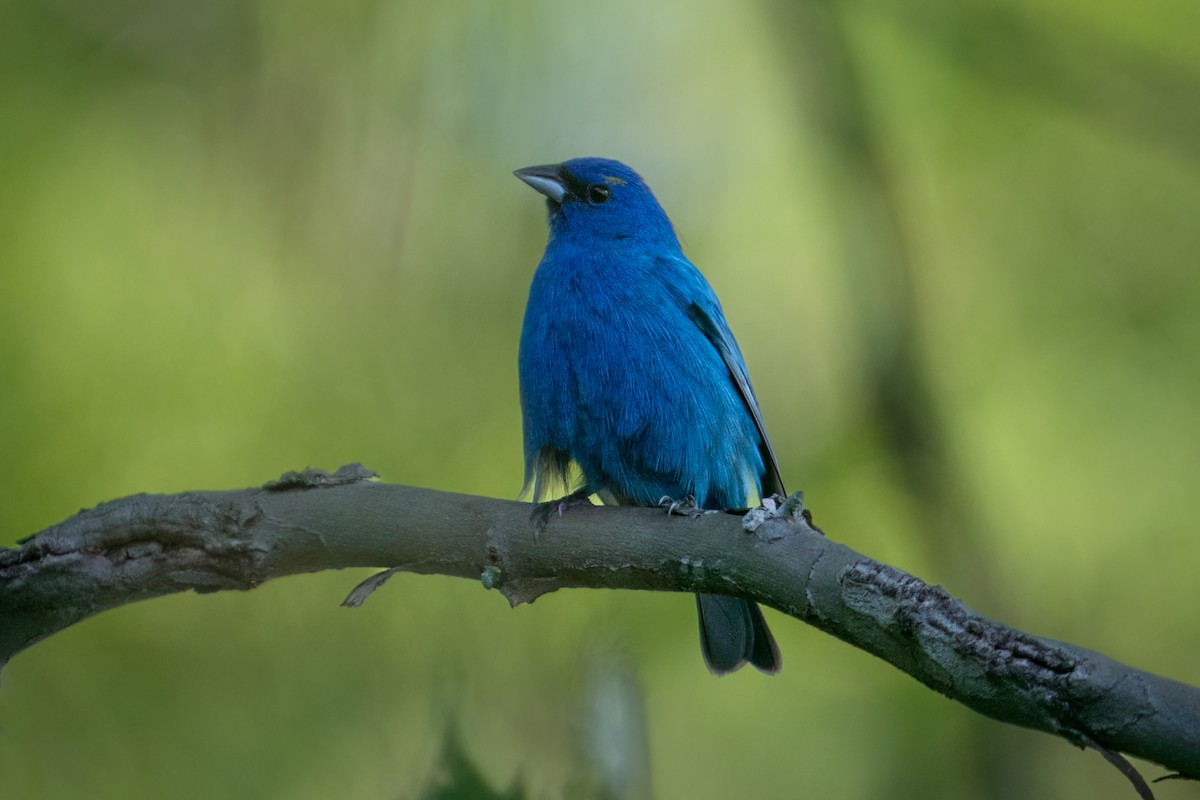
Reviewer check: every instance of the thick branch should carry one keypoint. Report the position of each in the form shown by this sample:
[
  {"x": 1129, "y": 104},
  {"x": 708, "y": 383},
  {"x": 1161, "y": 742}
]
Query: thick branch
[{"x": 149, "y": 545}]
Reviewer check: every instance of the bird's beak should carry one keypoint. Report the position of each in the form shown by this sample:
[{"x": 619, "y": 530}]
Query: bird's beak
[{"x": 546, "y": 179}]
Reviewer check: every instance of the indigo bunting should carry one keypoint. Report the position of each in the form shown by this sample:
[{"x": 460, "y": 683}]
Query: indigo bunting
[{"x": 629, "y": 370}]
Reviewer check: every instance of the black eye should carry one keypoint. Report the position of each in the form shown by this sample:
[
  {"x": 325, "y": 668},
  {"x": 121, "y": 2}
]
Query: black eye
[{"x": 598, "y": 193}]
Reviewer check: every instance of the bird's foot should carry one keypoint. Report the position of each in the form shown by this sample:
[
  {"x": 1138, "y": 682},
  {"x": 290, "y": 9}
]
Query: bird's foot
[
  {"x": 542, "y": 512},
  {"x": 683, "y": 507}
]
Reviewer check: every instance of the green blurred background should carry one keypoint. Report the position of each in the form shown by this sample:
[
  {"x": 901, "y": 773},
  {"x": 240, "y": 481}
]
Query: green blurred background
[{"x": 956, "y": 242}]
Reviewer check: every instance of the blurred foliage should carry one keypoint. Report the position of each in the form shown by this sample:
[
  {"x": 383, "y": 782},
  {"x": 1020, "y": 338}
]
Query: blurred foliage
[
  {"x": 957, "y": 243},
  {"x": 460, "y": 778}
]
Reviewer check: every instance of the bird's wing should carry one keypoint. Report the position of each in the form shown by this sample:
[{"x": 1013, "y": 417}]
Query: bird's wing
[{"x": 712, "y": 324}]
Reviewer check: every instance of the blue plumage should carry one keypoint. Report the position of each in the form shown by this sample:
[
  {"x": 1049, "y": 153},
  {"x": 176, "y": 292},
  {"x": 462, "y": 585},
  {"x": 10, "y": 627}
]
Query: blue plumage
[{"x": 629, "y": 370}]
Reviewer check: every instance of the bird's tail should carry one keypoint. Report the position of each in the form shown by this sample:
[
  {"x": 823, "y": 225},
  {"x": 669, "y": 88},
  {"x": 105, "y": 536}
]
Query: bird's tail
[{"x": 733, "y": 632}]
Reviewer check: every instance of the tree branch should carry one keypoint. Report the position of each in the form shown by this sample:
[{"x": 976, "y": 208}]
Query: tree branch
[{"x": 149, "y": 545}]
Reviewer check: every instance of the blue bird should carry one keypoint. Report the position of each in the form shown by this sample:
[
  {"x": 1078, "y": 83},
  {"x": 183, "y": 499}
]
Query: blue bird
[{"x": 629, "y": 370}]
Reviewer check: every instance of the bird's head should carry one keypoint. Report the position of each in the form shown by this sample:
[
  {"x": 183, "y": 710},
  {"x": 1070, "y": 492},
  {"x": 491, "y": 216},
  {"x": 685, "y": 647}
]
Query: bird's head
[{"x": 599, "y": 199}]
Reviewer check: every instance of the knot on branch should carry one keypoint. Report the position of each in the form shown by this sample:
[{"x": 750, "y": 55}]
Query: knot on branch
[
  {"x": 318, "y": 478},
  {"x": 775, "y": 509}
]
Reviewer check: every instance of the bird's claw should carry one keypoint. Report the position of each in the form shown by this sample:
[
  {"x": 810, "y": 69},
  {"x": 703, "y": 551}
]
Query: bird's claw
[
  {"x": 683, "y": 507},
  {"x": 542, "y": 512}
]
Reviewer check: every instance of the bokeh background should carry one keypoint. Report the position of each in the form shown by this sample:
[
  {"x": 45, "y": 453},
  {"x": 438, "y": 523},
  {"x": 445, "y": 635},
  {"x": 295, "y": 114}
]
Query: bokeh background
[{"x": 957, "y": 242}]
